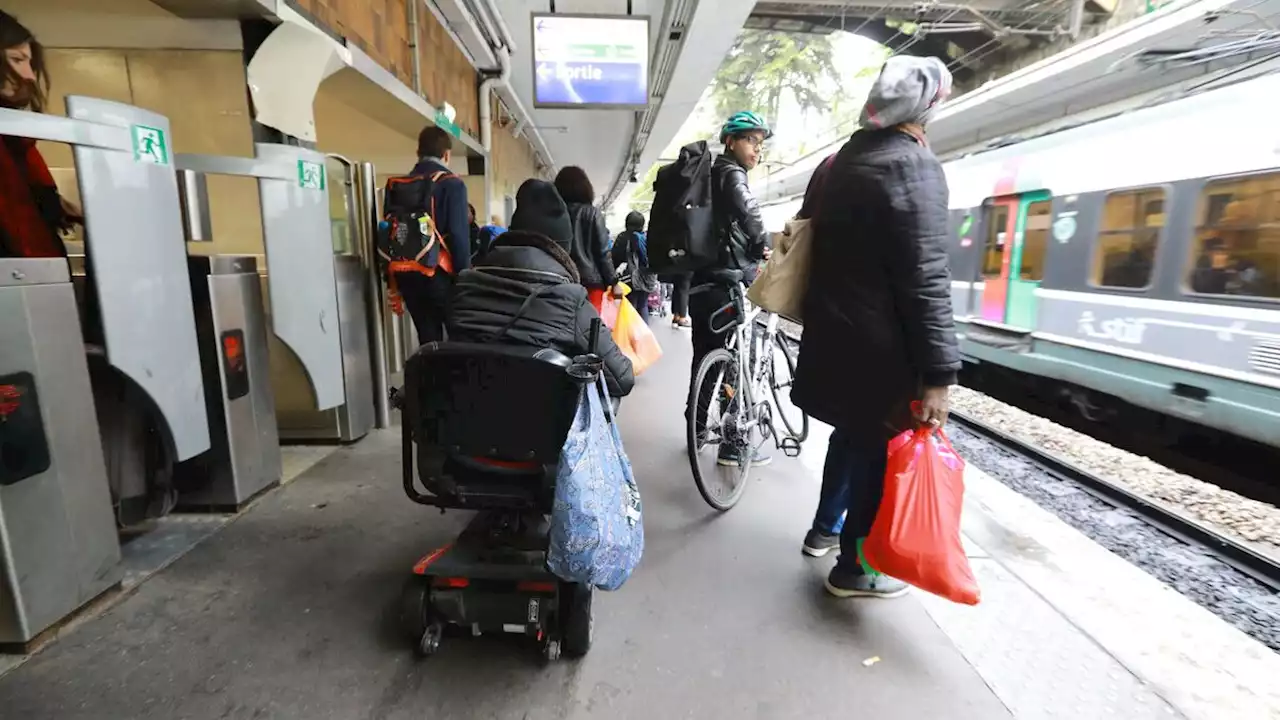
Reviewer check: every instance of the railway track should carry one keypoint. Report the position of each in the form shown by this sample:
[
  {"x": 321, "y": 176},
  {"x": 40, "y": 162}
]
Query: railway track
[{"x": 1242, "y": 558}]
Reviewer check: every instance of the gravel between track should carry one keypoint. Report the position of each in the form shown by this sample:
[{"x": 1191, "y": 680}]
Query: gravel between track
[
  {"x": 1222, "y": 510},
  {"x": 1246, "y": 604},
  {"x": 1234, "y": 515}
]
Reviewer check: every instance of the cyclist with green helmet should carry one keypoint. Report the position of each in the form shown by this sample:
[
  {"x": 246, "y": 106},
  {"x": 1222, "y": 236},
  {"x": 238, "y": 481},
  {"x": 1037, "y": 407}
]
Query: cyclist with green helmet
[{"x": 742, "y": 239}]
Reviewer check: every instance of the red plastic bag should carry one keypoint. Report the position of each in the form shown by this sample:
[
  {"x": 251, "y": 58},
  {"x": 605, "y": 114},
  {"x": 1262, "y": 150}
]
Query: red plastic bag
[
  {"x": 916, "y": 534},
  {"x": 605, "y": 305}
]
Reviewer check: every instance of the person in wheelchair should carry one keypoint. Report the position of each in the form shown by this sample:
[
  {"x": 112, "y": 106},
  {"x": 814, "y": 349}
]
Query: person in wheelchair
[{"x": 526, "y": 291}]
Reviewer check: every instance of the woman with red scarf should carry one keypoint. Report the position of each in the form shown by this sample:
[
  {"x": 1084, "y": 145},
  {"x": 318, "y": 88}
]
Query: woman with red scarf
[{"x": 32, "y": 213}]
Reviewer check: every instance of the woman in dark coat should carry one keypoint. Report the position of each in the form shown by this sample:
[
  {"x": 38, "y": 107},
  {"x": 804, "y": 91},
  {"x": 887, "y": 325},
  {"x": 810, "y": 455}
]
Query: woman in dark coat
[
  {"x": 526, "y": 290},
  {"x": 878, "y": 330},
  {"x": 590, "y": 245}
]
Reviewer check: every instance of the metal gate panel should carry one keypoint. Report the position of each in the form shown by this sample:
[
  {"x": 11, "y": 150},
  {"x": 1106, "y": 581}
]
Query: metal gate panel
[
  {"x": 292, "y": 187},
  {"x": 138, "y": 257},
  {"x": 304, "y": 296}
]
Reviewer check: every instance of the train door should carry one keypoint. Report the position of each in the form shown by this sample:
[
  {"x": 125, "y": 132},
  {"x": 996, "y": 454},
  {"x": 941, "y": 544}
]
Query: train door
[
  {"x": 1026, "y": 269},
  {"x": 1013, "y": 257},
  {"x": 1001, "y": 217}
]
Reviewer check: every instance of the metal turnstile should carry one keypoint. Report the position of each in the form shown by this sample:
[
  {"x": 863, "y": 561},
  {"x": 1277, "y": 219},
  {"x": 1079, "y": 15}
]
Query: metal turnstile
[
  {"x": 57, "y": 532},
  {"x": 231, "y": 327},
  {"x": 298, "y": 418},
  {"x": 144, "y": 361},
  {"x": 296, "y": 414}
]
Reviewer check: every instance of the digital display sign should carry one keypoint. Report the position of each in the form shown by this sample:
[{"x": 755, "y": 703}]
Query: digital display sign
[{"x": 590, "y": 61}]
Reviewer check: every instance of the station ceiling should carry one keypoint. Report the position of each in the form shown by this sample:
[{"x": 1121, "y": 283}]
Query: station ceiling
[{"x": 968, "y": 35}]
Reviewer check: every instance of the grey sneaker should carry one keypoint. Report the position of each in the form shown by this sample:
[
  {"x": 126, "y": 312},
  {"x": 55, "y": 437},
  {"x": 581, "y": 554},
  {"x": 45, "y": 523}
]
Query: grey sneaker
[
  {"x": 846, "y": 582},
  {"x": 729, "y": 456},
  {"x": 816, "y": 544}
]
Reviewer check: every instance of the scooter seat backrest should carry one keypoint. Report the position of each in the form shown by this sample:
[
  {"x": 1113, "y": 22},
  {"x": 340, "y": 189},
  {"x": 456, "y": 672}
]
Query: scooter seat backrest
[{"x": 501, "y": 408}]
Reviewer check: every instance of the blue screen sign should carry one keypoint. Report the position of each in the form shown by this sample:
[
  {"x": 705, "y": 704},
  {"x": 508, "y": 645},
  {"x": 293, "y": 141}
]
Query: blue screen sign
[{"x": 586, "y": 61}]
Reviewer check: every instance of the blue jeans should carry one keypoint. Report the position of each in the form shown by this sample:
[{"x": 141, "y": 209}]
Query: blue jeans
[{"x": 852, "y": 486}]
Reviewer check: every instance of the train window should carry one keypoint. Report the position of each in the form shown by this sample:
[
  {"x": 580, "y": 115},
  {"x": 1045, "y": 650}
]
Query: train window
[
  {"x": 993, "y": 252},
  {"x": 1125, "y": 253},
  {"x": 1035, "y": 240},
  {"x": 1237, "y": 247}
]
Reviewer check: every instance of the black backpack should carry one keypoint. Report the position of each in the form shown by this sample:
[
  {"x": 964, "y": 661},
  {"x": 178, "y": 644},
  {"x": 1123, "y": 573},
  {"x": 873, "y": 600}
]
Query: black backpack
[
  {"x": 408, "y": 232},
  {"x": 682, "y": 235}
]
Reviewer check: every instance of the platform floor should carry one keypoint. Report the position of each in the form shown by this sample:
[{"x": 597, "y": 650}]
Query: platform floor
[{"x": 288, "y": 611}]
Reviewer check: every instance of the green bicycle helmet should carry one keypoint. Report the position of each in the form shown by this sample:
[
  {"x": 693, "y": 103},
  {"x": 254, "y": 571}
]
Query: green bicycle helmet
[{"x": 745, "y": 121}]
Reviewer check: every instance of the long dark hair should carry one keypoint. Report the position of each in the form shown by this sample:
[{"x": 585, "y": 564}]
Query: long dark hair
[
  {"x": 574, "y": 186},
  {"x": 13, "y": 34}
]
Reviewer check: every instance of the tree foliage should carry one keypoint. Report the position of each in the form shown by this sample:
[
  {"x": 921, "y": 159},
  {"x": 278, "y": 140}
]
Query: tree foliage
[{"x": 764, "y": 64}]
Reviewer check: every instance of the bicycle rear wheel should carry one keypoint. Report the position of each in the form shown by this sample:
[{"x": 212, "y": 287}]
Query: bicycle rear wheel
[
  {"x": 782, "y": 375},
  {"x": 709, "y": 413}
]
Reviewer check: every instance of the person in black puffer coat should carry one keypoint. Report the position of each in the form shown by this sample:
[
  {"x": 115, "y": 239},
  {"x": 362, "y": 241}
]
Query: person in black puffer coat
[
  {"x": 878, "y": 328},
  {"x": 527, "y": 290},
  {"x": 589, "y": 246}
]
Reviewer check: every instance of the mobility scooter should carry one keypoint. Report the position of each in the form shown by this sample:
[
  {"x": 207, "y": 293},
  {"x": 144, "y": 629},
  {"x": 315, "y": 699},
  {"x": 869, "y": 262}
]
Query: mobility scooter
[{"x": 482, "y": 429}]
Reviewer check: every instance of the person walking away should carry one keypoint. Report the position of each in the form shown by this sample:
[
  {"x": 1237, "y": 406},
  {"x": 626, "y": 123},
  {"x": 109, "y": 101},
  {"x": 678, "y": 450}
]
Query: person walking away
[
  {"x": 590, "y": 245},
  {"x": 878, "y": 332},
  {"x": 643, "y": 281},
  {"x": 743, "y": 243},
  {"x": 32, "y": 213},
  {"x": 679, "y": 298},
  {"x": 528, "y": 292},
  {"x": 418, "y": 285}
]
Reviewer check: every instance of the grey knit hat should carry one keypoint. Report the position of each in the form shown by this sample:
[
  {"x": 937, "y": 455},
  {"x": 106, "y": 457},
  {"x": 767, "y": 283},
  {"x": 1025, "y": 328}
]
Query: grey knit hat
[{"x": 908, "y": 90}]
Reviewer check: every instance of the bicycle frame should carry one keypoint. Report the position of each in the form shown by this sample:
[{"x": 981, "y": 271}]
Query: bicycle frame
[{"x": 751, "y": 345}]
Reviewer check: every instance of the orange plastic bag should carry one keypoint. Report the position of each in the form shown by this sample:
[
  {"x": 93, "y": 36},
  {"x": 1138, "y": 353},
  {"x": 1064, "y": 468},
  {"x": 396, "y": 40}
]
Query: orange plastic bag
[
  {"x": 635, "y": 339},
  {"x": 605, "y": 305},
  {"x": 916, "y": 534}
]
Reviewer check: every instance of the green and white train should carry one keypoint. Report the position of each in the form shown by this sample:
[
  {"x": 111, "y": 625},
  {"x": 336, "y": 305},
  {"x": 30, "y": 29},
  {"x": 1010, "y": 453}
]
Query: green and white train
[{"x": 1136, "y": 257}]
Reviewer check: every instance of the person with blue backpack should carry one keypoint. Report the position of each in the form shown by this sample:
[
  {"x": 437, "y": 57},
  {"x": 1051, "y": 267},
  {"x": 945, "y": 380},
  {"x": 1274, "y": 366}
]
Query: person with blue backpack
[{"x": 631, "y": 244}]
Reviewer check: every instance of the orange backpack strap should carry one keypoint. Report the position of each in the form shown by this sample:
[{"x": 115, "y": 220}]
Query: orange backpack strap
[{"x": 446, "y": 257}]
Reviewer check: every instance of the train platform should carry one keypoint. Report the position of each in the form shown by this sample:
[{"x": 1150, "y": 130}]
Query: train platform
[{"x": 288, "y": 611}]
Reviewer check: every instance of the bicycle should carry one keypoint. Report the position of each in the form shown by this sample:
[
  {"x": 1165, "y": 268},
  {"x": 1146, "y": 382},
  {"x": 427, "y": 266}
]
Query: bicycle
[{"x": 747, "y": 414}]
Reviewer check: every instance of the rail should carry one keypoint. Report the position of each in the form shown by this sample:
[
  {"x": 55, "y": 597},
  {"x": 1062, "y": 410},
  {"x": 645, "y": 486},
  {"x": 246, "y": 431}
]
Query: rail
[{"x": 1237, "y": 555}]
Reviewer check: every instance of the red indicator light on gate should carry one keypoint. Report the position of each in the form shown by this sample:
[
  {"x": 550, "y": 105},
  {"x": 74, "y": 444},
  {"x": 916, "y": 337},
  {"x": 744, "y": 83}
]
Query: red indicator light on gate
[
  {"x": 9, "y": 396},
  {"x": 231, "y": 347}
]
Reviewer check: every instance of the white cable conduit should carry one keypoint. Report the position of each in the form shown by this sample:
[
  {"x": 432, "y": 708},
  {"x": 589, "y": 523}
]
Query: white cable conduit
[{"x": 486, "y": 121}]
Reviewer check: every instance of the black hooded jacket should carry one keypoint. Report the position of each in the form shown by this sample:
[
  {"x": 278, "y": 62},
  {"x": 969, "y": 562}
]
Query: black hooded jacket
[
  {"x": 877, "y": 313},
  {"x": 526, "y": 292}
]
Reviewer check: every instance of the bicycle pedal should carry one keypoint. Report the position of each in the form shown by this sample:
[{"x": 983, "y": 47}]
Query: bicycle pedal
[{"x": 790, "y": 447}]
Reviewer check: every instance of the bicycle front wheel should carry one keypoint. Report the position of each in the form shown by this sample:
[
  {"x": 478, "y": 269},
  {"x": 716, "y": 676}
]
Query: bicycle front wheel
[{"x": 712, "y": 432}]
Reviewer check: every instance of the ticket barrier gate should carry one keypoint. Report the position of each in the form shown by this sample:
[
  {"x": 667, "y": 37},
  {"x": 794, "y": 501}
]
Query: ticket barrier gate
[
  {"x": 350, "y": 232},
  {"x": 244, "y": 459},
  {"x": 144, "y": 361},
  {"x": 57, "y": 533},
  {"x": 244, "y": 325}
]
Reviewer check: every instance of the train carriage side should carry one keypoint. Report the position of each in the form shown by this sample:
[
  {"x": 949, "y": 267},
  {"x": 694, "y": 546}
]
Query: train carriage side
[{"x": 1098, "y": 258}]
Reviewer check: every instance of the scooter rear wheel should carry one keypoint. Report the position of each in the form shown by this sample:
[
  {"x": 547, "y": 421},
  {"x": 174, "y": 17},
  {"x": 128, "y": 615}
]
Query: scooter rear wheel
[{"x": 576, "y": 618}]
